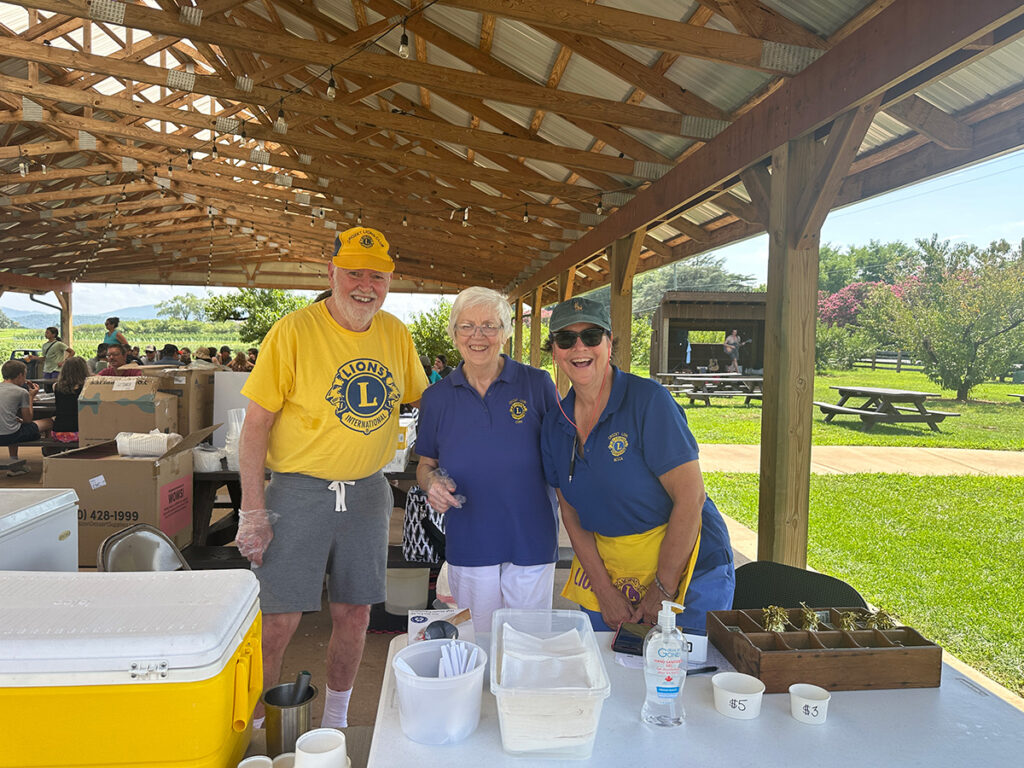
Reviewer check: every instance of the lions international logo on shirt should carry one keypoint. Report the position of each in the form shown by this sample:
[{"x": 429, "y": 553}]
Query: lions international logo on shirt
[
  {"x": 618, "y": 443},
  {"x": 517, "y": 410},
  {"x": 364, "y": 395}
]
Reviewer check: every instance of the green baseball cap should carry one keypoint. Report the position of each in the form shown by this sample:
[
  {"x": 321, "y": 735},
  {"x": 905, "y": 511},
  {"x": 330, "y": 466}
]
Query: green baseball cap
[{"x": 579, "y": 310}]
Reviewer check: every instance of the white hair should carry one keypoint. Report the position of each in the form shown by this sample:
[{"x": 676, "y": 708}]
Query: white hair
[{"x": 478, "y": 296}]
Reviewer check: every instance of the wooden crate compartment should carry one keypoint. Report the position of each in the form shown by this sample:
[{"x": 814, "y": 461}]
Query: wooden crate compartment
[{"x": 862, "y": 659}]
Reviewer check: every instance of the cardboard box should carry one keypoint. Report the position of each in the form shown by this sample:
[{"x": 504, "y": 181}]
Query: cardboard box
[
  {"x": 115, "y": 492},
  {"x": 112, "y": 404},
  {"x": 194, "y": 390},
  {"x": 406, "y": 432}
]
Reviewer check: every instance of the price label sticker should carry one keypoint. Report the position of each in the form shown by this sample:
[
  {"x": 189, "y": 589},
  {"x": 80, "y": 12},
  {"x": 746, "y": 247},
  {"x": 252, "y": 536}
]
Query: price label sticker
[
  {"x": 124, "y": 384},
  {"x": 97, "y": 482}
]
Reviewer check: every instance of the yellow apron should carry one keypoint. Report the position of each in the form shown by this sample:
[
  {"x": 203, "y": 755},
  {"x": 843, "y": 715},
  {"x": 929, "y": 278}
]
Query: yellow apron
[{"x": 631, "y": 562}]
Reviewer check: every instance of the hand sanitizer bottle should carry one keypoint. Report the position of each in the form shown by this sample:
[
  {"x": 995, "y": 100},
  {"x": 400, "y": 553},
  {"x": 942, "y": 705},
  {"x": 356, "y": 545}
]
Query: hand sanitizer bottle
[{"x": 665, "y": 656}]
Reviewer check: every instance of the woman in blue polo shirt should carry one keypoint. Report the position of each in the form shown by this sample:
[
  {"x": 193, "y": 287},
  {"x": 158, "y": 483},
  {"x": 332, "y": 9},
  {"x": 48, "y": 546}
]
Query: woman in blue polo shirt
[
  {"x": 624, "y": 463},
  {"x": 482, "y": 423}
]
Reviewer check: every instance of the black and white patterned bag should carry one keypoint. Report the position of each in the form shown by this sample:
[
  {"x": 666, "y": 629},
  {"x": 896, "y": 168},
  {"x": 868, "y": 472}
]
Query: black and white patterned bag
[{"x": 422, "y": 531}]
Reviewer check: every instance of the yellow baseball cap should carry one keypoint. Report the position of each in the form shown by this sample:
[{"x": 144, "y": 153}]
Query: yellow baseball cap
[{"x": 362, "y": 248}]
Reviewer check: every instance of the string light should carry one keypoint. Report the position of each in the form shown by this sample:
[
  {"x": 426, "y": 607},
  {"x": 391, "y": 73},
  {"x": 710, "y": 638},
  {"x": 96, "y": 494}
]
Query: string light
[
  {"x": 332, "y": 86},
  {"x": 405, "y": 222},
  {"x": 359, "y": 218},
  {"x": 465, "y": 216},
  {"x": 280, "y": 126},
  {"x": 600, "y": 205},
  {"x": 403, "y": 46},
  {"x": 23, "y": 168},
  {"x": 526, "y": 214},
  {"x": 106, "y": 176},
  {"x": 213, "y": 149},
  {"x": 188, "y": 163}
]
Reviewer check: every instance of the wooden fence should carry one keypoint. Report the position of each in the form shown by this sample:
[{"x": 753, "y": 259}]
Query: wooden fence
[{"x": 889, "y": 362}]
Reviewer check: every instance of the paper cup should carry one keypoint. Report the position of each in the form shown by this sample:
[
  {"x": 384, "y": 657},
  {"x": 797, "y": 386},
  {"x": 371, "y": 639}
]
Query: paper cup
[
  {"x": 737, "y": 695},
  {"x": 808, "y": 703},
  {"x": 321, "y": 748},
  {"x": 256, "y": 761},
  {"x": 285, "y": 760}
]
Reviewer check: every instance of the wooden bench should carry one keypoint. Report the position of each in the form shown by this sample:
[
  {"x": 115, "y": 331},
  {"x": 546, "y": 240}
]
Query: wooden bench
[
  {"x": 706, "y": 396},
  {"x": 1017, "y": 394},
  {"x": 870, "y": 418}
]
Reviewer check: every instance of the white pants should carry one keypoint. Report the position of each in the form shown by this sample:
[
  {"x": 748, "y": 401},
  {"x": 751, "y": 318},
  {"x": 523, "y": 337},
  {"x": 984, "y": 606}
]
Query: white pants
[{"x": 485, "y": 589}]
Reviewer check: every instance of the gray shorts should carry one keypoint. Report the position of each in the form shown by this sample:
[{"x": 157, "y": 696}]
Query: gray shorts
[{"x": 311, "y": 538}]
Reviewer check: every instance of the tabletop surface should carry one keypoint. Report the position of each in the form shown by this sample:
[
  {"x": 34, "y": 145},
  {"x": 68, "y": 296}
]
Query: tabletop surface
[
  {"x": 882, "y": 392},
  {"x": 957, "y": 724}
]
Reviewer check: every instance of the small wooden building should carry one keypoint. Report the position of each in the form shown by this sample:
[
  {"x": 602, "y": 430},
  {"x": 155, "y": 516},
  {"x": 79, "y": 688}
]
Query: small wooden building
[{"x": 681, "y": 312}]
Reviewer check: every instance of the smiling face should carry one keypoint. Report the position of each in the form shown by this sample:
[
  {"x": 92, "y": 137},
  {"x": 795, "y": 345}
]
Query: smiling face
[
  {"x": 356, "y": 296},
  {"x": 478, "y": 349},
  {"x": 582, "y": 364}
]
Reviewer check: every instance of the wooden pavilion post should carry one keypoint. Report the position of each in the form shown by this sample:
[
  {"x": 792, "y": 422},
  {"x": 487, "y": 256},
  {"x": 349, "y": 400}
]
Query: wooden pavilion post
[
  {"x": 64, "y": 299},
  {"x": 565, "y": 288},
  {"x": 622, "y": 258},
  {"x": 537, "y": 307},
  {"x": 517, "y": 341},
  {"x": 804, "y": 181}
]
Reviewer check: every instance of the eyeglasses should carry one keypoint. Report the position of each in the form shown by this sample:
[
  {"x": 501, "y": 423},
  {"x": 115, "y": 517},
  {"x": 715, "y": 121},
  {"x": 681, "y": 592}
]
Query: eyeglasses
[
  {"x": 591, "y": 337},
  {"x": 469, "y": 329}
]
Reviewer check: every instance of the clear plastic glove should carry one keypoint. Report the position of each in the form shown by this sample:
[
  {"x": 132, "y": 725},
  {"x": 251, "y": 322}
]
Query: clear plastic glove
[
  {"x": 255, "y": 532},
  {"x": 441, "y": 492}
]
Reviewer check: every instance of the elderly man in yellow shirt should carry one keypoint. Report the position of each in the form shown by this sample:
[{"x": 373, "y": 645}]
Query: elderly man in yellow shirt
[{"x": 326, "y": 423}]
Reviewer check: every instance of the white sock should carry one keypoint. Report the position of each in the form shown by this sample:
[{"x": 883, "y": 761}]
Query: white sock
[
  {"x": 257, "y": 722},
  {"x": 336, "y": 709}
]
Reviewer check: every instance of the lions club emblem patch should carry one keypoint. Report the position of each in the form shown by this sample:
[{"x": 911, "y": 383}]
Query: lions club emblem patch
[
  {"x": 618, "y": 442},
  {"x": 363, "y": 394},
  {"x": 517, "y": 409}
]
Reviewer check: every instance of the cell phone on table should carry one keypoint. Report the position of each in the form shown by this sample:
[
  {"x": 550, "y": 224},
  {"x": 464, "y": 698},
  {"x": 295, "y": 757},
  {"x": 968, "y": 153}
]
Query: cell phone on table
[{"x": 630, "y": 638}]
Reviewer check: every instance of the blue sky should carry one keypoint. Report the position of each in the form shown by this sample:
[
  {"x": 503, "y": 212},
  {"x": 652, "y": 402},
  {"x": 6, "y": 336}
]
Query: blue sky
[{"x": 977, "y": 205}]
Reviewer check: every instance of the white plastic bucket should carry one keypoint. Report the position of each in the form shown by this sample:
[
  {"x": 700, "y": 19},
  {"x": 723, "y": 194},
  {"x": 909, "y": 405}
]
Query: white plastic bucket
[
  {"x": 432, "y": 709},
  {"x": 407, "y": 590}
]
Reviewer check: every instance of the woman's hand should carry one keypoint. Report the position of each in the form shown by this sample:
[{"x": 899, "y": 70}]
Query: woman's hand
[
  {"x": 616, "y": 608},
  {"x": 440, "y": 493},
  {"x": 651, "y": 604}
]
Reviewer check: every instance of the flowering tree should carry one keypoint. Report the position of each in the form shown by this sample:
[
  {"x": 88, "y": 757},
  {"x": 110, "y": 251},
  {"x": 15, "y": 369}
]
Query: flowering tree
[{"x": 963, "y": 316}]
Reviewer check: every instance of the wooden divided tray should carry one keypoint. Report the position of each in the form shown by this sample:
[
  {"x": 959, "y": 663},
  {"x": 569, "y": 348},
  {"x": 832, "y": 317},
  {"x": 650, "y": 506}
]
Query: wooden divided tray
[{"x": 835, "y": 659}]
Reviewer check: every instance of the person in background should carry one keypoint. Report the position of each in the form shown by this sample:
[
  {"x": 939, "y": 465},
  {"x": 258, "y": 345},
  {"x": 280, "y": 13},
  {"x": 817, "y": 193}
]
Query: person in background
[
  {"x": 184, "y": 355},
  {"x": 240, "y": 364},
  {"x": 624, "y": 463},
  {"x": 441, "y": 365},
  {"x": 118, "y": 363},
  {"x": 134, "y": 356},
  {"x": 428, "y": 371},
  {"x": 66, "y": 390},
  {"x": 52, "y": 353},
  {"x": 326, "y": 424},
  {"x": 98, "y": 363},
  {"x": 224, "y": 358},
  {"x": 150, "y": 358},
  {"x": 168, "y": 356},
  {"x": 17, "y": 395},
  {"x": 204, "y": 354},
  {"x": 114, "y": 335},
  {"x": 252, "y": 354},
  {"x": 482, "y": 425}
]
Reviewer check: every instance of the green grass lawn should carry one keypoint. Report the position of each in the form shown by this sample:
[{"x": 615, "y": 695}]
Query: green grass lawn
[
  {"x": 989, "y": 420},
  {"x": 945, "y": 553}
]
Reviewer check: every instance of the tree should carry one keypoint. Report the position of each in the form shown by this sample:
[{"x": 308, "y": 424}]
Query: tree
[
  {"x": 429, "y": 331},
  {"x": 6, "y": 322},
  {"x": 257, "y": 309},
  {"x": 640, "y": 343},
  {"x": 875, "y": 262},
  {"x": 963, "y": 316},
  {"x": 186, "y": 306}
]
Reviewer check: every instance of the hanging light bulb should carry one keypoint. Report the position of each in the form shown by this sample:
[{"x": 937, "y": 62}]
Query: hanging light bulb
[
  {"x": 600, "y": 205},
  {"x": 465, "y": 216},
  {"x": 332, "y": 87},
  {"x": 280, "y": 126},
  {"x": 188, "y": 163},
  {"x": 405, "y": 222},
  {"x": 403, "y": 45},
  {"x": 213, "y": 152},
  {"x": 43, "y": 166},
  {"x": 359, "y": 218},
  {"x": 170, "y": 170},
  {"x": 106, "y": 176},
  {"x": 526, "y": 214},
  {"x": 23, "y": 168}
]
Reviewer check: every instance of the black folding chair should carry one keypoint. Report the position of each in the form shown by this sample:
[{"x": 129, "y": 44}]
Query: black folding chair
[{"x": 763, "y": 583}]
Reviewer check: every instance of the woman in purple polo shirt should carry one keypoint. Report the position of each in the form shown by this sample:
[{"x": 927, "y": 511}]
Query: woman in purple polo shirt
[{"x": 481, "y": 424}]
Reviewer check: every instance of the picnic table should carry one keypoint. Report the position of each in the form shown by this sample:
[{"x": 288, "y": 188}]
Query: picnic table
[
  {"x": 885, "y": 405},
  {"x": 704, "y": 386},
  {"x": 1017, "y": 394}
]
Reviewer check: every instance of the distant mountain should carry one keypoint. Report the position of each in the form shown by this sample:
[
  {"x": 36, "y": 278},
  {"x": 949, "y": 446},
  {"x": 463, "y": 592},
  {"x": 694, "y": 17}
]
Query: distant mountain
[{"x": 30, "y": 319}]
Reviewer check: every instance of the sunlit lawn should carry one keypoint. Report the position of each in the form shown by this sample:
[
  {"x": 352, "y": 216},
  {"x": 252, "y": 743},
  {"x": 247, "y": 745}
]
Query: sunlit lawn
[
  {"x": 989, "y": 420},
  {"x": 945, "y": 553}
]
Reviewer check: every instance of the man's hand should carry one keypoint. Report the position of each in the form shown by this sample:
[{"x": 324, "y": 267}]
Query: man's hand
[
  {"x": 32, "y": 388},
  {"x": 255, "y": 532}
]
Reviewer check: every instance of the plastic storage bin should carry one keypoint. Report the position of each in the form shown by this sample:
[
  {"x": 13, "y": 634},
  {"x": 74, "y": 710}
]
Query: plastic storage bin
[
  {"x": 38, "y": 529},
  {"x": 558, "y": 722},
  {"x": 432, "y": 709},
  {"x": 128, "y": 669}
]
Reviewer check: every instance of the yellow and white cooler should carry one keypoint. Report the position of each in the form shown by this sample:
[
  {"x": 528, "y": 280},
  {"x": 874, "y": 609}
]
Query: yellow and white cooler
[{"x": 128, "y": 669}]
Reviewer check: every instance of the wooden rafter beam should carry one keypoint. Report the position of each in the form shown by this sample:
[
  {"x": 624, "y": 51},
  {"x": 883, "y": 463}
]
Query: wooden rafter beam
[{"x": 941, "y": 127}]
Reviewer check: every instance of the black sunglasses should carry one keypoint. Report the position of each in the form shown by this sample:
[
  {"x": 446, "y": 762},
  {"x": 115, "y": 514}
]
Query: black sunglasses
[{"x": 567, "y": 339}]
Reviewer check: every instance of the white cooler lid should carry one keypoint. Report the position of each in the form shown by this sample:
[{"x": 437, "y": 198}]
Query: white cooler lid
[
  {"x": 19, "y": 506},
  {"x": 52, "y": 623}
]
